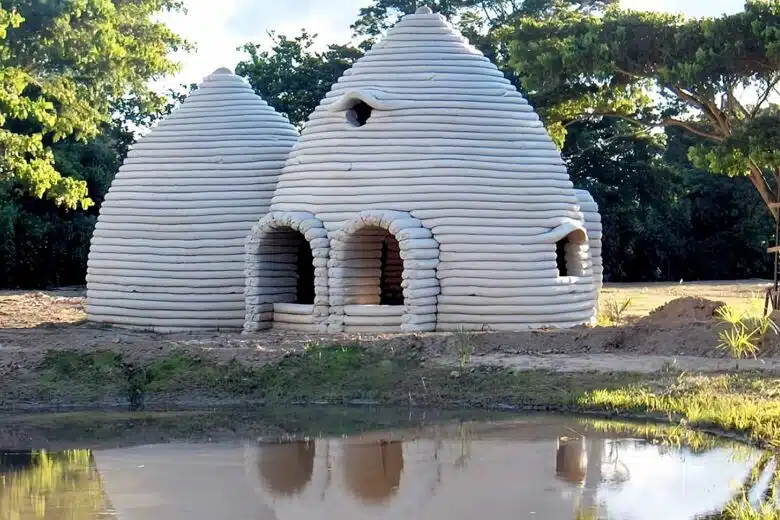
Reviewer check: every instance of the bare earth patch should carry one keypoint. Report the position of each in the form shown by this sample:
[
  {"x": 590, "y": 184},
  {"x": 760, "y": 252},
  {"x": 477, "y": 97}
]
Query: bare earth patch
[{"x": 680, "y": 335}]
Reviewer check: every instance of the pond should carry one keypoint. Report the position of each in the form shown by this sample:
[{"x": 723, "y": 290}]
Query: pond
[{"x": 427, "y": 467}]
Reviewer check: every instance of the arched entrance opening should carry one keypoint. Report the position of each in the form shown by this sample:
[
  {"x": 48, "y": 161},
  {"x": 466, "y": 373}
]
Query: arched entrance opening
[
  {"x": 370, "y": 281},
  {"x": 382, "y": 275},
  {"x": 286, "y": 274}
]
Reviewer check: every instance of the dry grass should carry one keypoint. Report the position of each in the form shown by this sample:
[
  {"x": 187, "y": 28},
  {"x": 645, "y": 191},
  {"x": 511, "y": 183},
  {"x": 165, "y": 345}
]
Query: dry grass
[
  {"x": 745, "y": 296},
  {"x": 25, "y": 309}
]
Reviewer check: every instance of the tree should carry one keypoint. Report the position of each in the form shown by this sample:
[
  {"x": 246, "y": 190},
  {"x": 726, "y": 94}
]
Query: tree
[
  {"x": 712, "y": 77},
  {"x": 64, "y": 66},
  {"x": 291, "y": 76},
  {"x": 663, "y": 218},
  {"x": 43, "y": 245}
]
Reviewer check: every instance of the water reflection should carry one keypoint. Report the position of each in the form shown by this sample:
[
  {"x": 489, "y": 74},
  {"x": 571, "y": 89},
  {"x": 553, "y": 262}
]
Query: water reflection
[
  {"x": 539, "y": 468},
  {"x": 570, "y": 460},
  {"x": 287, "y": 467},
  {"x": 49, "y": 486},
  {"x": 372, "y": 471}
]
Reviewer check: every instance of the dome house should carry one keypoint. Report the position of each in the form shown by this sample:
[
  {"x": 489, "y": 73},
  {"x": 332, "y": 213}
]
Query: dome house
[
  {"x": 167, "y": 253},
  {"x": 423, "y": 194}
]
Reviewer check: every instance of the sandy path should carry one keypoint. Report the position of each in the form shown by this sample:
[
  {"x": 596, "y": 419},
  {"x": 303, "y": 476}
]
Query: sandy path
[{"x": 643, "y": 364}]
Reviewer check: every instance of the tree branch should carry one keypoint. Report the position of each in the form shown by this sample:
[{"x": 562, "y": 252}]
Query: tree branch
[
  {"x": 759, "y": 181},
  {"x": 733, "y": 101},
  {"x": 665, "y": 122},
  {"x": 763, "y": 97},
  {"x": 687, "y": 125},
  {"x": 696, "y": 102}
]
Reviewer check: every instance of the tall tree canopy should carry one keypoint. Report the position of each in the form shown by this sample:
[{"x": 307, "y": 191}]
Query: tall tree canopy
[
  {"x": 291, "y": 76},
  {"x": 65, "y": 65},
  {"x": 716, "y": 78}
]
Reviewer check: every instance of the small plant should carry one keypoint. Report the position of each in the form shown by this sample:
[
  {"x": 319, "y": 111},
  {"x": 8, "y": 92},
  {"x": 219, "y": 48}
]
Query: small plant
[
  {"x": 747, "y": 333},
  {"x": 465, "y": 346},
  {"x": 612, "y": 312}
]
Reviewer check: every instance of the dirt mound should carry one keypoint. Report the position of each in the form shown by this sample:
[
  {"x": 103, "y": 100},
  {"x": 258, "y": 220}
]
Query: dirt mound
[{"x": 681, "y": 311}]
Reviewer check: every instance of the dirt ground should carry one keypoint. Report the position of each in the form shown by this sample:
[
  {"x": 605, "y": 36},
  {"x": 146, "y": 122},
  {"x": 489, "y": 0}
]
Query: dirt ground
[
  {"x": 681, "y": 336},
  {"x": 746, "y": 295}
]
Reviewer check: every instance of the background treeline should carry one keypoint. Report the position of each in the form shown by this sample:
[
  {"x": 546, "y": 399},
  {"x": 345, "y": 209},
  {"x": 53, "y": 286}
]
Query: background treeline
[{"x": 666, "y": 215}]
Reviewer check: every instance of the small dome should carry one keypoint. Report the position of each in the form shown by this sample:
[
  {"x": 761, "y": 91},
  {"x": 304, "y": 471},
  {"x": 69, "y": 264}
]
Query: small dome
[{"x": 168, "y": 247}]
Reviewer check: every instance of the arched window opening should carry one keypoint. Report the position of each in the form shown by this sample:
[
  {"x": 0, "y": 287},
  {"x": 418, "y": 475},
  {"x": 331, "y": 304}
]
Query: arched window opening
[
  {"x": 359, "y": 113},
  {"x": 560, "y": 256},
  {"x": 570, "y": 254}
]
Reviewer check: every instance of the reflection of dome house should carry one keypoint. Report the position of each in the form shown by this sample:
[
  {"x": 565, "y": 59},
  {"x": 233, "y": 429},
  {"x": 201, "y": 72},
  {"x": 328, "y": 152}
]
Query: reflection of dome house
[
  {"x": 422, "y": 157},
  {"x": 355, "y": 478},
  {"x": 168, "y": 248},
  {"x": 287, "y": 467},
  {"x": 373, "y": 470},
  {"x": 570, "y": 460}
]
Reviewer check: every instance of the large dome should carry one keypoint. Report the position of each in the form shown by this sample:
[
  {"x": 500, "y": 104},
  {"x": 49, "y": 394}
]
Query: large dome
[
  {"x": 425, "y": 133},
  {"x": 168, "y": 248}
]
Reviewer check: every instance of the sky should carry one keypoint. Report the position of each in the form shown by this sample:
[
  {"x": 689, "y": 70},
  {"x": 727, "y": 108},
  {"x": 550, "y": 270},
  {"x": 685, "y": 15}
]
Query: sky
[{"x": 218, "y": 27}]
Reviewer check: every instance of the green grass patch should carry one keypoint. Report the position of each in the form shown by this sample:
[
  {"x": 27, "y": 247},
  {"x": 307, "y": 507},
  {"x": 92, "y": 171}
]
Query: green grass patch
[{"x": 745, "y": 404}]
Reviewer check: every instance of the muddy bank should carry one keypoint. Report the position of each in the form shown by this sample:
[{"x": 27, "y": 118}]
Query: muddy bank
[
  {"x": 21, "y": 347},
  {"x": 50, "y": 359},
  {"x": 34, "y": 322}
]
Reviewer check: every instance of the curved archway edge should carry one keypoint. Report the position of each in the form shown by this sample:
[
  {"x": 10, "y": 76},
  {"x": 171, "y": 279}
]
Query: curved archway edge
[
  {"x": 419, "y": 252},
  {"x": 263, "y": 250}
]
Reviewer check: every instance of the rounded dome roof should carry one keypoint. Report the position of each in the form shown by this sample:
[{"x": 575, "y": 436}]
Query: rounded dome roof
[
  {"x": 168, "y": 247},
  {"x": 425, "y": 124},
  {"x": 439, "y": 115}
]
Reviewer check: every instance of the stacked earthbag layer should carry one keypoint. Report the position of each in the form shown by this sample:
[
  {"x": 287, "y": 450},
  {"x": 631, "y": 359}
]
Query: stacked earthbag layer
[
  {"x": 168, "y": 249},
  {"x": 425, "y": 124}
]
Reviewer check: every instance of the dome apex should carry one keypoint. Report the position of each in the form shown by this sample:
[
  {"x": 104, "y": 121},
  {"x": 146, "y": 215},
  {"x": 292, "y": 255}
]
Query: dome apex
[
  {"x": 223, "y": 70},
  {"x": 424, "y": 10}
]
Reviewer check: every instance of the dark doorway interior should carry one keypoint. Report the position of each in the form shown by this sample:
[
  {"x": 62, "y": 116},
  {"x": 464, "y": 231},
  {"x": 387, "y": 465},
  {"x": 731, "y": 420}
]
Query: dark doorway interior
[{"x": 305, "y": 270}]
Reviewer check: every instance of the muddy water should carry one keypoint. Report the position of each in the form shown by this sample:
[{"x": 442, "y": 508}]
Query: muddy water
[{"x": 539, "y": 467}]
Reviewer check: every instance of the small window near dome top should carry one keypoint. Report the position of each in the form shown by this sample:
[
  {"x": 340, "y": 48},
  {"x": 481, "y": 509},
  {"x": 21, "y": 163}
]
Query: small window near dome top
[{"x": 359, "y": 114}]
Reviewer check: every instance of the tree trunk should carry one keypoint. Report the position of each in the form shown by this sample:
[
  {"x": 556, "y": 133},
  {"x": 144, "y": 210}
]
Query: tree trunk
[{"x": 757, "y": 178}]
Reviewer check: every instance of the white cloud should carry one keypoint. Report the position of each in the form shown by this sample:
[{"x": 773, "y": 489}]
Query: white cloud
[{"x": 218, "y": 28}]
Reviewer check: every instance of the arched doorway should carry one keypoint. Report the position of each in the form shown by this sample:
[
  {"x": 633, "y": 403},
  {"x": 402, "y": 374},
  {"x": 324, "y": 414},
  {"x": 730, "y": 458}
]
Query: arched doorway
[
  {"x": 286, "y": 274},
  {"x": 383, "y": 275}
]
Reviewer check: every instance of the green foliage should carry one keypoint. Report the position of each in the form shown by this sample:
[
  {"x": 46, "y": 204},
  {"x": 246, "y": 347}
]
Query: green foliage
[
  {"x": 746, "y": 335},
  {"x": 63, "y": 67},
  {"x": 292, "y": 77},
  {"x": 711, "y": 77},
  {"x": 663, "y": 218},
  {"x": 43, "y": 245}
]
